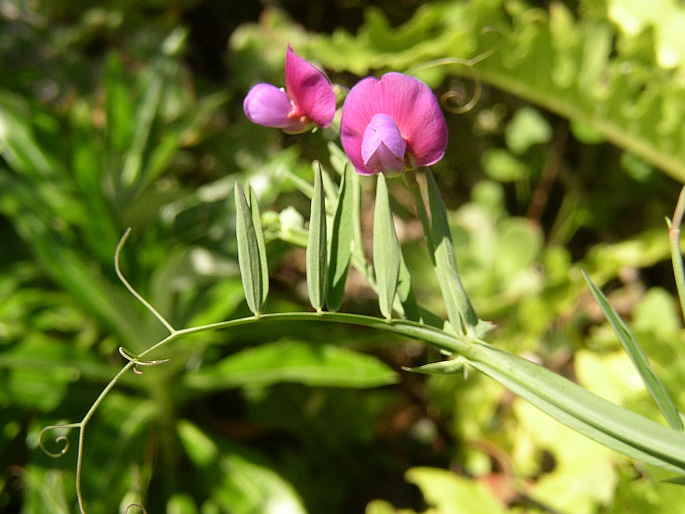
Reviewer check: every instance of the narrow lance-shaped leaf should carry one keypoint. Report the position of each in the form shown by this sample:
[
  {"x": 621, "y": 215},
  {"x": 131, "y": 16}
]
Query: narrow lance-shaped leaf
[
  {"x": 637, "y": 355},
  {"x": 317, "y": 246},
  {"x": 330, "y": 188},
  {"x": 405, "y": 293},
  {"x": 251, "y": 255},
  {"x": 460, "y": 313},
  {"x": 587, "y": 413},
  {"x": 608, "y": 424},
  {"x": 341, "y": 242},
  {"x": 386, "y": 249},
  {"x": 261, "y": 246}
]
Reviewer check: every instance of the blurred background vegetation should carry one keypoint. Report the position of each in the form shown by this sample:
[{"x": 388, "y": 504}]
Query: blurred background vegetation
[{"x": 129, "y": 114}]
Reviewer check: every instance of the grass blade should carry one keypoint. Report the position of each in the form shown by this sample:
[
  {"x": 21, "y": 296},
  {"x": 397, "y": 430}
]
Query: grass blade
[{"x": 637, "y": 355}]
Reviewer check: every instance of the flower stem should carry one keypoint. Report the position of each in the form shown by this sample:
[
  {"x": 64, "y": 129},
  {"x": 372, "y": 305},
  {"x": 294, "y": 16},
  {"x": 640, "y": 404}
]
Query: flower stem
[{"x": 676, "y": 254}]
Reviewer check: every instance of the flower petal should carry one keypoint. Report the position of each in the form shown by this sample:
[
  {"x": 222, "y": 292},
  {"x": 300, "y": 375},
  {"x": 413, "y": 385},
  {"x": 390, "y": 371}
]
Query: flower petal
[
  {"x": 412, "y": 106},
  {"x": 309, "y": 89},
  {"x": 417, "y": 113},
  {"x": 360, "y": 106},
  {"x": 382, "y": 145},
  {"x": 268, "y": 105}
]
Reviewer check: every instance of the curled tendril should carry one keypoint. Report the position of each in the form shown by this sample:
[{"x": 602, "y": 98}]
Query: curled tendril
[
  {"x": 135, "y": 505},
  {"x": 449, "y": 97},
  {"x": 62, "y": 439},
  {"x": 137, "y": 362}
]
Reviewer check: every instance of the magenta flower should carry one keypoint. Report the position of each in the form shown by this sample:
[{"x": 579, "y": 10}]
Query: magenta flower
[
  {"x": 392, "y": 123},
  {"x": 307, "y": 99}
]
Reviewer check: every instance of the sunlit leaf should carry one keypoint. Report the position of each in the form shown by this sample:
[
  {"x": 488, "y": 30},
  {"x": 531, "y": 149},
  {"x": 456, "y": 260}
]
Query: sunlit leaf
[
  {"x": 632, "y": 347},
  {"x": 527, "y": 128},
  {"x": 448, "y": 492},
  {"x": 590, "y": 467},
  {"x": 587, "y": 413}
]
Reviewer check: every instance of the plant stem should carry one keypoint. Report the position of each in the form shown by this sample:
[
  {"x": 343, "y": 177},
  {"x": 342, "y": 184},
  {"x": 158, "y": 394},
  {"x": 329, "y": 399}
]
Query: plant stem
[
  {"x": 676, "y": 254},
  {"x": 422, "y": 213}
]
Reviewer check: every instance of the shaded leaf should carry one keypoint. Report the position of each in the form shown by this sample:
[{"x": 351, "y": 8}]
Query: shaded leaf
[
  {"x": 295, "y": 361},
  {"x": 460, "y": 313},
  {"x": 251, "y": 256},
  {"x": 317, "y": 246},
  {"x": 341, "y": 242},
  {"x": 238, "y": 481}
]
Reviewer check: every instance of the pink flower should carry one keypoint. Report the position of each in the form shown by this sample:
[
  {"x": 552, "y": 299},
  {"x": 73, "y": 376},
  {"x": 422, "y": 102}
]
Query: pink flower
[
  {"x": 307, "y": 99},
  {"x": 392, "y": 123}
]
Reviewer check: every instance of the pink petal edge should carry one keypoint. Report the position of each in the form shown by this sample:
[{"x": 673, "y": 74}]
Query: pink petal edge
[{"x": 309, "y": 88}]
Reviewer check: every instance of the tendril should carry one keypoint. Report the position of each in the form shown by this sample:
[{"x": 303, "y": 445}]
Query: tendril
[
  {"x": 450, "y": 96},
  {"x": 137, "y": 362},
  {"x": 61, "y": 439},
  {"x": 135, "y": 505},
  {"x": 130, "y": 288}
]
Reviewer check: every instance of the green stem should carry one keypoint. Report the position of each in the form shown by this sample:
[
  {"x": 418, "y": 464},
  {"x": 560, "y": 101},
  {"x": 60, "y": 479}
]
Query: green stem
[
  {"x": 611, "y": 425},
  {"x": 82, "y": 432},
  {"x": 676, "y": 254},
  {"x": 415, "y": 190},
  {"x": 585, "y": 412}
]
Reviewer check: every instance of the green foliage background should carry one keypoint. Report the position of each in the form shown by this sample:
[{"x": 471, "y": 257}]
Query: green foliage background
[{"x": 129, "y": 114}]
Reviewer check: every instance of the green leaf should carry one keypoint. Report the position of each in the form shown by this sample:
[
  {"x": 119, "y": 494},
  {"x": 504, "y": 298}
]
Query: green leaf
[
  {"x": 405, "y": 293},
  {"x": 678, "y": 480},
  {"x": 251, "y": 254},
  {"x": 18, "y": 144},
  {"x": 341, "y": 242},
  {"x": 307, "y": 363},
  {"x": 567, "y": 402},
  {"x": 575, "y": 70},
  {"x": 446, "y": 367},
  {"x": 261, "y": 245},
  {"x": 238, "y": 481},
  {"x": 527, "y": 128},
  {"x": 386, "y": 249},
  {"x": 591, "y": 468},
  {"x": 447, "y": 492},
  {"x": 585, "y": 412},
  {"x": 78, "y": 275},
  {"x": 499, "y": 164},
  {"x": 460, "y": 313},
  {"x": 632, "y": 347},
  {"x": 613, "y": 426},
  {"x": 317, "y": 246}
]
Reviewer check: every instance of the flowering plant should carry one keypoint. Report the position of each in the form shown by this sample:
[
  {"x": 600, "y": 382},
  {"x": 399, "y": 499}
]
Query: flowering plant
[{"x": 393, "y": 128}]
